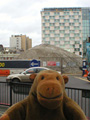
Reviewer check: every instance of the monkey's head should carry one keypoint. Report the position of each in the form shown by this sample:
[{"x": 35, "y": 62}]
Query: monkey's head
[{"x": 49, "y": 88}]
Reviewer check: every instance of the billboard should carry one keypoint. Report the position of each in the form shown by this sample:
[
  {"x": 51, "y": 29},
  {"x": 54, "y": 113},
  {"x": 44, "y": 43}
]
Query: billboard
[
  {"x": 19, "y": 63},
  {"x": 51, "y": 63}
]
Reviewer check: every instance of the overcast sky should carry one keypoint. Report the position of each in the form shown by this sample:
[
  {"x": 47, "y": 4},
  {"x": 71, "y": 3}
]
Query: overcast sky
[{"x": 24, "y": 17}]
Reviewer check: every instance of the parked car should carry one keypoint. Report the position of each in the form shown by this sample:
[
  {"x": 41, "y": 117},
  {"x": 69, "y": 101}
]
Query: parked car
[{"x": 24, "y": 76}]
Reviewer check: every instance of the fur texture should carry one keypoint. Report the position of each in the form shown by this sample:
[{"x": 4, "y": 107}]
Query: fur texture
[{"x": 47, "y": 100}]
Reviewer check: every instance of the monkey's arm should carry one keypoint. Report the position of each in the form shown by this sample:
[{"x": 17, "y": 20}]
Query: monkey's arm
[{"x": 72, "y": 110}]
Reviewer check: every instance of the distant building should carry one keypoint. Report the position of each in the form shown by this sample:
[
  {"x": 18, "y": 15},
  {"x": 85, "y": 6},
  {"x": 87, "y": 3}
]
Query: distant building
[
  {"x": 67, "y": 28},
  {"x": 20, "y": 42},
  {"x": 8, "y": 55},
  {"x": 1, "y": 47}
]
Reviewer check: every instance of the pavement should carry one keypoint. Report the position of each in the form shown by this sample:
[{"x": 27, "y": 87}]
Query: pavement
[{"x": 3, "y": 109}]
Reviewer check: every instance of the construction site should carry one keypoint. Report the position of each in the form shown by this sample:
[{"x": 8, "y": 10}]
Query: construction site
[{"x": 54, "y": 57}]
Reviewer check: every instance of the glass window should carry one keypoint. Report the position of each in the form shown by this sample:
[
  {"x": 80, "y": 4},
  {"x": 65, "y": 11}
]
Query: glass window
[
  {"x": 57, "y": 20},
  {"x": 47, "y": 35},
  {"x": 56, "y": 13},
  {"x": 57, "y": 42},
  {"x": 80, "y": 53},
  {"x": 40, "y": 69},
  {"x": 43, "y": 31},
  {"x": 80, "y": 45},
  {"x": 47, "y": 28},
  {"x": 43, "y": 38},
  {"x": 52, "y": 31},
  {"x": 66, "y": 35},
  {"x": 43, "y": 17},
  {"x": 67, "y": 42},
  {"x": 71, "y": 46},
  {"x": 57, "y": 27},
  {"x": 77, "y": 49},
  {"x": 29, "y": 71},
  {"x": 57, "y": 35},
  {"x": 47, "y": 20},
  {"x": 47, "y": 13},
  {"x": 52, "y": 24},
  {"x": 51, "y": 17},
  {"x": 62, "y": 17},
  {"x": 66, "y": 13},
  {"x": 52, "y": 38},
  {"x": 77, "y": 42},
  {"x": 47, "y": 42},
  {"x": 43, "y": 24}
]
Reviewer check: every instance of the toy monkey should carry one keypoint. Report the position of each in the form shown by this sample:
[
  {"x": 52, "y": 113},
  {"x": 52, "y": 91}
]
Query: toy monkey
[{"x": 47, "y": 100}]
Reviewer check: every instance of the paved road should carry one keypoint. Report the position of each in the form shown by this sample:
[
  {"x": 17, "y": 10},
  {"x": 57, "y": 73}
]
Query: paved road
[
  {"x": 78, "y": 82},
  {"x": 74, "y": 82}
]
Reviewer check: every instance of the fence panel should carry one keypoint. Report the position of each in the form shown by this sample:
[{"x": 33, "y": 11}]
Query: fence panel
[
  {"x": 82, "y": 98},
  {"x": 20, "y": 91},
  {"x": 15, "y": 92},
  {"x": 4, "y": 94}
]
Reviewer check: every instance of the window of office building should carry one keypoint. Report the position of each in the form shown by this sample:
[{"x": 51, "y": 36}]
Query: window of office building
[
  {"x": 47, "y": 13},
  {"x": 56, "y": 13}
]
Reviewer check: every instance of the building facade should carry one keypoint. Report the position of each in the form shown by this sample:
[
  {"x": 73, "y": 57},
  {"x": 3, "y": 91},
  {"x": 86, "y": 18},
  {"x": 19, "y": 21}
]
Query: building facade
[
  {"x": 21, "y": 42},
  {"x": 67, "y": 28},
  {"x": 8, "y": 55}
]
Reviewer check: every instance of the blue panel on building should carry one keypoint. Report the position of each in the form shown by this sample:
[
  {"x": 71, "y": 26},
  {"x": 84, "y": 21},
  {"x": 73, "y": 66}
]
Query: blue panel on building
[
  {"x": 88, "y": 52},
  {"x": 14, "y": 63}
]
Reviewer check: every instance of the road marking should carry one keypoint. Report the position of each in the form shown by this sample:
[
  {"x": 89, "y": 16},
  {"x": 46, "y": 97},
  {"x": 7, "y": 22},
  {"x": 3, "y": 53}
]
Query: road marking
[{"x": 82, "y": 79}]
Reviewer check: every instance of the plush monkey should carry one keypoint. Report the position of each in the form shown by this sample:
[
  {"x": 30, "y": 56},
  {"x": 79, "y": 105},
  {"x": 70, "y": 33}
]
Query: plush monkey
[{"x": 47, "y": 100}]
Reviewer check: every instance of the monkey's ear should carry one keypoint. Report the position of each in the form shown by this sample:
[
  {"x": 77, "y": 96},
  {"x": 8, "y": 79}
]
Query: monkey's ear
[
  {"x": 66, "y": 79},
  {"x": 32, "y": 77}
]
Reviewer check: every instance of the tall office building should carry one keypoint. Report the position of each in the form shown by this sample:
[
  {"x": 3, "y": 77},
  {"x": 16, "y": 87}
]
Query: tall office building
[
  {"x": 20, "y": 42},
  {"x": 68, "y": 28}
]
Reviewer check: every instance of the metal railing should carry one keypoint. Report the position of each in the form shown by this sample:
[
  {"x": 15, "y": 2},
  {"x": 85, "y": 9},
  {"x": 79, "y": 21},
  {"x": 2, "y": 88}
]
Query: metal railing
[
  {"x": 15, "y": 92},
  {"x": 11, "y": 93},
  {"x": 82, "y": 98}
]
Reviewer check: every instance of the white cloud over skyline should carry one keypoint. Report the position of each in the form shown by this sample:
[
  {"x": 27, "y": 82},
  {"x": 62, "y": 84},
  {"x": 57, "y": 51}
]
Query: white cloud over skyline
[{"x": 24, "y": 17}]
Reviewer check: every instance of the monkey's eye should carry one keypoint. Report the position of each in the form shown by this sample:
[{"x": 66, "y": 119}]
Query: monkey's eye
[
  {"x": 42, "y": 78},
  {"x": 57, "y": 78}
]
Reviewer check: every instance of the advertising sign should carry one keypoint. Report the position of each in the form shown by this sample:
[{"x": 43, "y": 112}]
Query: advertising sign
[
  {"x": 44, "y": 63},
  {"x": 14, "y": 64},
  {"x": 57, "y": 63},
  {"x": 51, "y": 63}
]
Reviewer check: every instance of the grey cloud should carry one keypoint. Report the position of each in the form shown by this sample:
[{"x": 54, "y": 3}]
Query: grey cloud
[
  {"x": 4, "y": 39},
  {"x": 82, "y": 3},
  {"x": 18, "y": 8}
]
